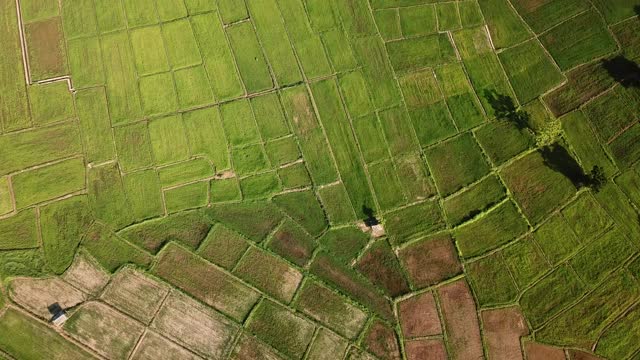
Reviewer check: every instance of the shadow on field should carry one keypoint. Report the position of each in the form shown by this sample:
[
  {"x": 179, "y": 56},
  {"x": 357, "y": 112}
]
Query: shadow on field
[
  {"x": 505, "y": 109},
  {"x": 637, "y": 9},
  {"x": 558, "y": 159},
  {"x": 370, "y": 220},
  {"x": 623, "y": 71}
]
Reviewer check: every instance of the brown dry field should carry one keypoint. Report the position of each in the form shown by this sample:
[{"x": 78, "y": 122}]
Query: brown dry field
[
  {"x": 135, "y": 294},
  {"x": 535, "y": 351},
  {"x": 430, "y": 261},
  {"x": 461, "y": 322},
  {"x": 419, "y": 316},
  {"x": 107, "y": 331},
  {"x": 374, "y": 264},
  {"x": 250, "y": 348},
  {"x": 46, "y": 49},
  {"x": 194, "y": 326},
  {"x": 37, "y": 295},
  {"x": 425, "y": 349},
  {"x": 381, "y": 341},
  {"x": 154, "y": 347},
  {"x": 502, "y": 330},
  {"x": 86, "y": 276}
]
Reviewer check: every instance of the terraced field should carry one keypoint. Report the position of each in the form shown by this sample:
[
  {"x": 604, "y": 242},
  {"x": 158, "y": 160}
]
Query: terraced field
[{"x": 320, "y": 179}]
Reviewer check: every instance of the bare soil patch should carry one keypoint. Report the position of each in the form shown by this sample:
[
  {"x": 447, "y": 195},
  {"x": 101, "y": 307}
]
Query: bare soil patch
[
  {"x": 135, "y": 294},
  {"x": 431, "y": 260},
  {"x": 419, "y": 316},
  {"x": 45, "y": 42},
  {"x": 250, "y": 348},
  {"x": 37, "y": 295},
  {"x": 107, "y": 331},
  {"x": 154, "y": 347},
  {"x": 194, "y": 326},
  {"x": 382, "y": 342},
  {"x": 582, "y": 355},
  {"x": 425, "y": 349},
  {"x": 86, "y": 275},
  {"x": 502, "y": 331},
  {"x": 461, "y": 321},
  {"x": 536, "y": 351}
]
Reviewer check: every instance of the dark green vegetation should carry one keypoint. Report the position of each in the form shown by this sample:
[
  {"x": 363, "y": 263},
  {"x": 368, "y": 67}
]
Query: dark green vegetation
[{"x": 308, "y": 179}]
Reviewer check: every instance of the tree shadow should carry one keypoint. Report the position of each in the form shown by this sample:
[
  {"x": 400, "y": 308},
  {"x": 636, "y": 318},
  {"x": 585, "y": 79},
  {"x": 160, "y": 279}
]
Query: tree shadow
[
  {"x": 558, "y": 159},
  {"x": 637, "y": 9},
  {"x": 370, "y": 219},
  {"x": 505, "y": 109},
  {"x": 623, "y": 71}
]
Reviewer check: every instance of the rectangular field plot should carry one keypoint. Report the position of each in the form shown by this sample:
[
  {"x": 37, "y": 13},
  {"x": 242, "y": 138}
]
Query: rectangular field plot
[
  {"x": 456, "y": 163},
  {"x": 370, "y": 53},
  {"x": 205, "y": 136},
  {"x": 342, "y": 141},
  {"x": 505, "y": 26},
  {"x": 273, "y": 37},
  {"x": 420, "y": 52},
  {"x": 251, "y": 62},
  {"x": 537, "y": 188},
  {"x": 19, "y": 231},
  {"x": 417, "y": 20},
  {"x": 502, "y": 140},
  {"x": 50, "y": 103},
  {"x": 144, "y": 194},
  {"x": 140, "y": 12},
  {"x": 613, "y": 112},
  {"x": 625, "y": 148},
  {"x": 181, "y": 44},
  {"x": 530, "y": 70},
  {"x": 49, "y": 182},
  {"x": 579, "y": 40},
  {"x": 192, "y": 87},
  {"x": 386, "y": 185},
  {"x": 168, "y": 140},
  {"x": 122, "y": 89},
  {"x": 413, "y": 222},
  {"x": 238, "y": 123},
  {"x": 205, "y": 282},
  {"x": 6, "y": 200},
  {"x": 542, "y": 15},
  {"x": 85, "y": 62},
  {"x": 79, "y": 18},
  {"x": 585, "y": 143},
  {"x": 388, "y": 22},
  {"x": 472, "y": 201},
  {"x": 46, "y": 52},
  {"x": 583, "y": 83},
  {"x": 194, "y": 326},
  {"x": 269, "y": 115},
  {"x": 149, "y": 50},
  {"x": 499, "y": 226},
  {"x": 110, "y": 15},
  {"x": 133, "y": 146},
  {"x": 218, "y": 59},
  {"x": 485, "y": 273},
  {"x": 38, "y": 146},
  {"x": 158, "y": 94}
]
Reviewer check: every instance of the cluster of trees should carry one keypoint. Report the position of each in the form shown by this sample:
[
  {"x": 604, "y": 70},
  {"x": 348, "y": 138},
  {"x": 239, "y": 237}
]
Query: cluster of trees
[{"x": 555, "y": 155}]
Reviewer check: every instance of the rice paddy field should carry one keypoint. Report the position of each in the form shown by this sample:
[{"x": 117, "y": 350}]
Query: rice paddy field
[{"x": 320, "y": 179}]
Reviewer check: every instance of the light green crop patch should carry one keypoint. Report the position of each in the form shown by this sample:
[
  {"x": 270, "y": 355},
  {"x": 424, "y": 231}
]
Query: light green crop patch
[
  {"x": 158, "y": 94},
  {"x": 148, "y": 49},
  {"x": 24, "y": 337},
  {"x": 184, "y": 172},
  {"x": 252, "y": 65},
  {"x": 193, "y": 87},
  {"x": 6, "y": 200},
  {"x": 51, "y": 103},
  {"x": 85, "y": 62},
  {"x": 46, "y": 183},
  {"x": 133, "y": 146},
  {"x": 168, "y": 139},
  {"x": 144, "y": 194},
  {"x": 187, "y": 197},
  {"x": 19, "y": 231}
]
